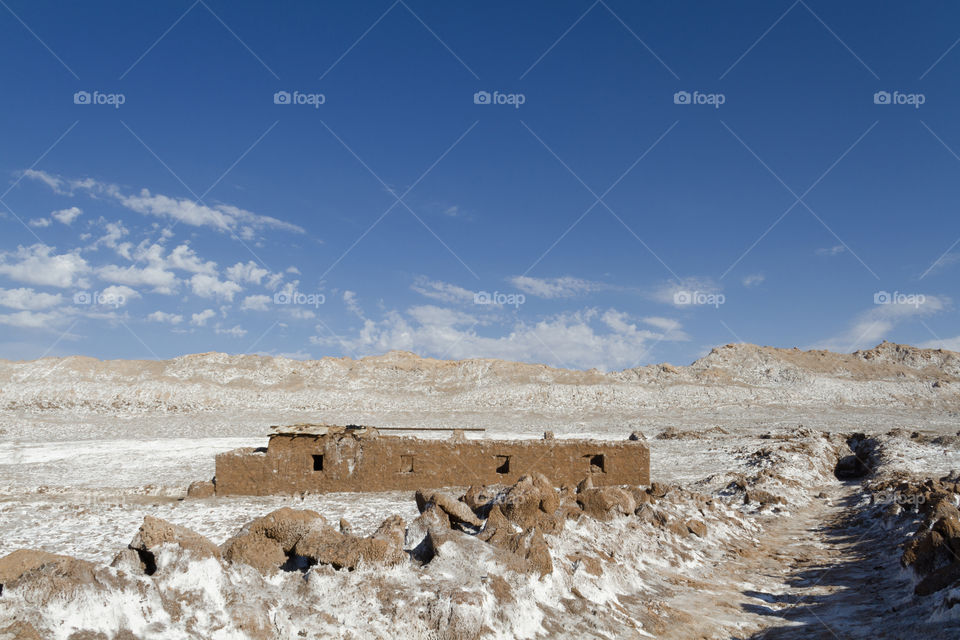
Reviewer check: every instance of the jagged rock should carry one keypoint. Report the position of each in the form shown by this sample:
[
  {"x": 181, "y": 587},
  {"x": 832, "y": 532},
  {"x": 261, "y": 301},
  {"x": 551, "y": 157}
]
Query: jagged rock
[
  {"x": 761, "y": 497},
  {"x": 421, "y": 497},
  {"x": 538, "y": 555},
  {"x": 418, "y": 539},
  {"x": 939, "y": 579},
  {"x": 262, "y": 553},
  {"x": 15, "y": 564},
  {"x": 586, "y": 483},
  {"x": 267, "y": 542},
  {"x": 925, "y": 553},
  {"x": 458, "y": 512},
  {"x": 129, "y": 560},
  {"x": 606, "y": 502},
  {"x": 393, "y": 530},
  {"x": 285, "y": 525},
  {"x": 639, "y": 495},
  {"x": 20, "y": 631},
  {"x": 326, "y": 545},
  {"x": 201, "y": 489},
  {"x": 658, "y": 490},
  {"x": 41, "y": 576},
  {"x": 479, "y": 499},
  {"x": 697, "y": 528},
  {"x": 531, "y": 502},
  {"x": 154, "y": 533}
]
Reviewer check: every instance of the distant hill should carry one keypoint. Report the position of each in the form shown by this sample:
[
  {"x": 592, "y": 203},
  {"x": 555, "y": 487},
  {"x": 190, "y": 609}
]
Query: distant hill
[{"x": 887, "y": 375}]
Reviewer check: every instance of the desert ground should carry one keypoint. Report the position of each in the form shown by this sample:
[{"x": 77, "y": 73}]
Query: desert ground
[{"x": 794, "y": 495}]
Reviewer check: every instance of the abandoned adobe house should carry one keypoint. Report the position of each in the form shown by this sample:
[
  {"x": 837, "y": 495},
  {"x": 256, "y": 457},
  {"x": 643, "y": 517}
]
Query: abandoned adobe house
[{"x": 322, "y": 458}]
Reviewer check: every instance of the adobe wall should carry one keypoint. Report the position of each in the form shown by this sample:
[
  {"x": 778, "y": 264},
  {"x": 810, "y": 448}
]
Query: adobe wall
[{"x": 355, "y": 460}]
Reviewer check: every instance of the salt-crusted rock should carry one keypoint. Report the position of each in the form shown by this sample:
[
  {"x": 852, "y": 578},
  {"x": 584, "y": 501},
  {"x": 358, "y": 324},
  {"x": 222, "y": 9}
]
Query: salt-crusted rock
[
  {"x": 606, "y": 502},
  {"x": 201, "y": 489},
  {"x": 458, "y": 512},
  {"x": 939, "y": 579},
  {"x": 41, "y": 577},
  {"x": 15, "y": 564},
  {"x": 262, "y": 553},
  {"x": 20, "y": 631},
  {"x": 761, "y": 497},
  {"x": 267, "y": 542},
  {"x": 285, "y": 525},
  {"x": 532, "y": 502},
  {"x": 154, "y": 533},
  {"x": 479, "y": 499},
  {"x": 658, "y": 490},
  {"x": 326, "y": 545},
  {"x": 697, "y": 527}
]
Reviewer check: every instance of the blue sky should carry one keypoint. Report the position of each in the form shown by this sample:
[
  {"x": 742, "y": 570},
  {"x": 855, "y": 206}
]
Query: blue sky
[{"x": 604, "y": 184}]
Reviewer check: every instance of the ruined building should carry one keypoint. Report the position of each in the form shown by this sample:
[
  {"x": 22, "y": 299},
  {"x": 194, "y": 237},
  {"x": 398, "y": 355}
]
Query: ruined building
[{"x": 321, "y": 458}]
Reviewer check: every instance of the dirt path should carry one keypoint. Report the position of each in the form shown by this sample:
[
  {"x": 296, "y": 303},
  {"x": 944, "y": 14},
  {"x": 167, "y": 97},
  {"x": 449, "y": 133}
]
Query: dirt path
[{"x": 822, "y": 572}]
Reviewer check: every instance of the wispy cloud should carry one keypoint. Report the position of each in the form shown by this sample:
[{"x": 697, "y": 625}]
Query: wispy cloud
[
  {"x": 831, "y": 251},
  {"x": 875, "y": 324},
  {"x": 753, "y": 280},
  {"x": 587, "y": 338},
  {"x": 549, "y": 288},
  {"x": 222, "y": 217}
]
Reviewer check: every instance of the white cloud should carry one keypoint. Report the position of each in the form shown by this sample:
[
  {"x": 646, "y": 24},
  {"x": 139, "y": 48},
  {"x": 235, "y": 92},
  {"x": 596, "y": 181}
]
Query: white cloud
[
  {"x": 186, "y": 259},
  {"x": 875, "y": 324},
  {"x": 235, "y": 332},
  {"x": 667, "y": 293},
  {"x": 565, "y": 287},
  {"x": 223, "y": 217},
  {"x": 200, "y": 319},
  {"x": 156, "y": 277},
  {"x": 57, "y": 184},
  {"x": 39, "y": 265},
  {"x": 250, "y": 272},
  {"x": 753, "y": 280},
  {"x": 665, "y": 324},
  {"x": 30, "y": 319},
  {"x": 67, "y": 216},
  {"x": 301, "y": 314},
  {"x": 118, "y": 295},
  {"x": 831, "y": 251},
  {"x": 28, "y": 299},
  {"x": 350, "y": 299},
  {"x": 207, "y": 286},
  {"x": 164, "y": 317},
  {"x": 40, "y": 223},
  {"x": 950, "y": 344},
  {"x": 442, "y": 291},
  {"x": 586, "y": 338},
  {"x": 256, "y": 303}
]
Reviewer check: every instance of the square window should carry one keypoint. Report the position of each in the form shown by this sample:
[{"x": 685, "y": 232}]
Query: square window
[
  {"x": 503, "y": 464},
  {"x": 406, "y": 464},
  {"x": 596, "y": 463},
  {"x": 318, "y": 463}
]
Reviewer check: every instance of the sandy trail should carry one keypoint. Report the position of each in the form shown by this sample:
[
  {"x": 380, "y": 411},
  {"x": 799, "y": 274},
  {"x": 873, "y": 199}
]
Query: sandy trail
[{"x": 823, "y": 571}]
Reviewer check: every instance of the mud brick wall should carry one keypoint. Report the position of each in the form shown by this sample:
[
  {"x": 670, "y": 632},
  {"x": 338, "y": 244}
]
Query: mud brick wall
[{"x": 367, "y": 461}]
